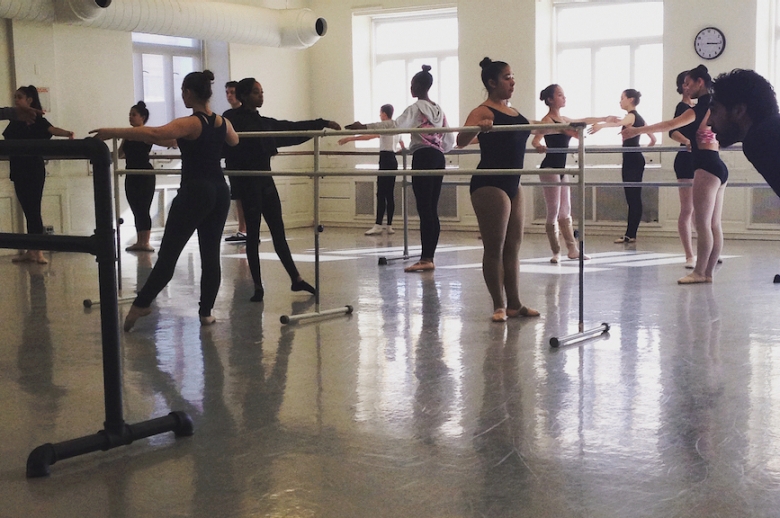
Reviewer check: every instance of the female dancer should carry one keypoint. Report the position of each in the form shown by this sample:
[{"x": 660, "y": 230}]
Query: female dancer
[
  {"x": 385, "y": 185},
  {"x": 498, "y": 199},
  {"x": 139, "y": 188},
  {"x": 683, "y": 169},
  {"x": 558, "y": 199},
  {"x": 709, "y": 178},
  {"x": 633, "y": 163},
  {"x": 203, "y": 200},
  {"x": 258, "y": 194},
  {"x": 427, "y": 153},
  {"x": 28, "y": 173}
]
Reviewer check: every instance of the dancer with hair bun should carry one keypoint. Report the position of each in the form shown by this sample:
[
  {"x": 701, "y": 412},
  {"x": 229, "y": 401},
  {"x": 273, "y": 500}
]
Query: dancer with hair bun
[
  {"x": 427, "y": 153},
  {"x": 683, "y": 170},
  {"x": 633, "y": 168},
  {"x": 139, "y": 188},
  {"x": 709, "y": 178},
  {"x": 28, "y": 173},
  {"x": 498, "y": 199},
  {"x": 203, "y": 199},
  {"x": 558, "y": 198}
]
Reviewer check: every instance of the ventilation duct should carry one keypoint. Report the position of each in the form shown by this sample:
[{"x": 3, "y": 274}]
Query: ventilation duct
[{"x": 204, "y": 20}]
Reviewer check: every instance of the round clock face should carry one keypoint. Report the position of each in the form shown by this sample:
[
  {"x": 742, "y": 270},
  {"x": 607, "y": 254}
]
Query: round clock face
[{"x": 709, "y": 43}]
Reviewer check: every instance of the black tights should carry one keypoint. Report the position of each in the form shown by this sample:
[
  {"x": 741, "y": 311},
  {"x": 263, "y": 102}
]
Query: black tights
[
  {"x": 139, "y": 190},
  {"x": 632, "y": 171},
  {"x": 200, "y": 205},
  {"x": 264, "y": 201},
  {"x": 385, "y": 188},
  {"x": 29, "y": 192},
  {"x": 426, "y": 191}
]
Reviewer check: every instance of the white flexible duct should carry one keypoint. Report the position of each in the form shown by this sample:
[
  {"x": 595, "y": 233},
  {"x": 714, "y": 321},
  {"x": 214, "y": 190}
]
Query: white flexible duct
[{"x": 289, "y": 28}]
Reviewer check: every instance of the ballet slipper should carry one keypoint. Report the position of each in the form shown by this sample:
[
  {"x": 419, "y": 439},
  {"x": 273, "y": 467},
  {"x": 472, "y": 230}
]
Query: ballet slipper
[
  {"x": 499, "y": 315},
  {"x": 625, "y": 239},
  {"x": 207, "y": 320},
  {"x": 138, "y": 247},
  {"x": 524, "y": 311},
  {"x": 693, "y": 279},
  {"x": 133, "y": 315},
  {"x": 690, "y": 264},
  {"x": 40, "y": 259},
  {"x": 420, "y": 266},
  {"x": 259, "y": 294},
  {"x": 301, "y": 285}
]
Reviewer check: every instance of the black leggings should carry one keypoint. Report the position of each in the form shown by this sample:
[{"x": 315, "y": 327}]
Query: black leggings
[
  {"x": 426, "y": 191},
  {"x": 200, "y": 205},
  {"x": 385, "y": 188},
  {"x": 139, "y": 189},
  {"x": 632, "y": 171},
  {"x": 29, "y": 192},
  {"x": 263, "y": 200}
]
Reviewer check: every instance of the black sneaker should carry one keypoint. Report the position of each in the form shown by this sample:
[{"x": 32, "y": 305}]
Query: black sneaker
[{"x": 238, "y": 236}]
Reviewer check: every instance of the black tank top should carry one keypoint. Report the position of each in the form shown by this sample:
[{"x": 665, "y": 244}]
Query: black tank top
[
  {"x": 504, "y": 149},
  {"x": 137, "y": 154},
  {"x": 556, "y": 141},
  {"x": 688, "y": 131},
  {"x": 200, "y": 158},
  {"x": 638, "y": 123}
]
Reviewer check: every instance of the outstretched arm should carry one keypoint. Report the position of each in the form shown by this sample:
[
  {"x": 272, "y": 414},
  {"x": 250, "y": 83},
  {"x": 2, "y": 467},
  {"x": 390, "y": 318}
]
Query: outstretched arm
[
  {"x": 356, "y": 137},
  {"x": 678, "y": 122},
  {"x": 59, "y": 132},
  {"x": 184, "y": 127},
  {"x": 628, "y": 120}
]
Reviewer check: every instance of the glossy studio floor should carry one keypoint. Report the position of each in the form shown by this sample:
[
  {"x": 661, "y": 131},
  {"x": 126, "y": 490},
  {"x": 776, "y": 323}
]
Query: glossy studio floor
[{"x": 416, "y": 405}]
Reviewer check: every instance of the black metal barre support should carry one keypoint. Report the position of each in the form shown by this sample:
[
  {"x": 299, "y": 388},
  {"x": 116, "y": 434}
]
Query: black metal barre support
[{"x": 115, "y": 431}]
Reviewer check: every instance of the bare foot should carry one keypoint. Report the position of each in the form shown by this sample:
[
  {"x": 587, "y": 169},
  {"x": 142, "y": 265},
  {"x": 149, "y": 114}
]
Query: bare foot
[
  {"x": 208, "y": 320},
  {"x": 693, "y": 278},
  {"x": 524, "y": 311}
]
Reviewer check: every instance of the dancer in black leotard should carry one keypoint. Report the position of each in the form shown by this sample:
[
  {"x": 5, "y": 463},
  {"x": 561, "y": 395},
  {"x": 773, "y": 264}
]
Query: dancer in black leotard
[
  {"x": 203, "y": 200},
  {"x": 633, "y": 163},
  {"x": 258, "y": 194},
  {"x": 558, "y": 198},
  {"x": 709, "y": 178},
  {"x": 28, "y": 173},
  {"x": 498, "y": 199},
  {"x": 683, "y": 169},
  {"x": 139, "y": 188}
]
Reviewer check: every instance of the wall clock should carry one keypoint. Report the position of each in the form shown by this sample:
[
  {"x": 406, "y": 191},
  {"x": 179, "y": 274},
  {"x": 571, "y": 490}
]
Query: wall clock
[{"x": 709, "y": 43}]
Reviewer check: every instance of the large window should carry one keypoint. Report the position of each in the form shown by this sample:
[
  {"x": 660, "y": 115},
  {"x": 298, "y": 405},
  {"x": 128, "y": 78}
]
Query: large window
[
  {"x": 160, "y": 64},
  {"x": 393, "y": 49},
  {"x": 605, "y": 48}
]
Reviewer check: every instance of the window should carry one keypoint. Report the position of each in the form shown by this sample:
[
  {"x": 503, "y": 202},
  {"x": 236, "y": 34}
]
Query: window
[
  {"x": 601, "y": 50},
  {"x": 396, "y": 47},
  {"x": 160, "y": 64}
]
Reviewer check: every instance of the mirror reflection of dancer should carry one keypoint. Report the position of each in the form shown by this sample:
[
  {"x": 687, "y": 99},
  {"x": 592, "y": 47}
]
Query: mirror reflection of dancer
[
  {"x": 202, "y": 202},
  {"x": 683, "y": 169},
  {"x": 139, "y": 188},
  {"x": 557, "y": 199},
  {"x": 498, "y": 199},
  {"x": 427, "y": 153},
  {"x": 385, "y": 185},
  {"x": 240, "y": 235},
  {"x": 258, "y": 194},
  {"x": 709, "y": 178},
  {"x": 28, "y": 173},
  {"x": 633, "y": 168}
]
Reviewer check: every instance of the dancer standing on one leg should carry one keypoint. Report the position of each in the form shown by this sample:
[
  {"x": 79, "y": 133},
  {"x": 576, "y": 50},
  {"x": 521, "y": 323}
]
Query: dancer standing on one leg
[
  {"x": 385, "y": 185},
  {"x": 427, "y": 153},
  {"x": 28, "y": 173},
  {"x": 633, "y": 168},
  {"x": 558, "y": 198},
  {"x": 202, "y": 202},
  {"x": 139, "y": 188},
  {"x": 498, "y": 199},
  {"x": 683, "y": 169},
  {"x": 258, "y": 194},
  {"x": 709, "y": 178}
]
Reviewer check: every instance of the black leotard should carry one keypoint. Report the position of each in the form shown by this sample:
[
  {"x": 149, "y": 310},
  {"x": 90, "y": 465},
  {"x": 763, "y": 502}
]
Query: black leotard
[
  {"x": 707, "y": 160},
  {"x": 204, "y": 154},
  {"x": 501, "y": 150},
  {"x": 555, "y": 141},
  {"x": 683, "y": 161}
]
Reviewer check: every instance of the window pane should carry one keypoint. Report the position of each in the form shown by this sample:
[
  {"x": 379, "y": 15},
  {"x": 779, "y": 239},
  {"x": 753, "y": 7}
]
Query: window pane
[
  {"x": 648, "y": 60},
  {"x": 390, "y": 87},
  {"x": 574, "y": 71},
  {"x": 609, "y": 22},
  {"x": 154, "y": 82},
  {"x": 612, "y": 75},
  {"x": 165, "y": 40},
  {"x": 430, "y": 34},
  {"x": 448, "y": 96},
  {"x": 181, "y": 67}
]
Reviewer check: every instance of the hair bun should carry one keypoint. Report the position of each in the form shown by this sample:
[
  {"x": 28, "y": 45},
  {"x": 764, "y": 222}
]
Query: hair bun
[
  {"x": 426, "y": 68},
  {"x": 702, "y": 68},
  {"x": 141, "y": 104},
  {"x": 209, "y": 75},
  {"x": 486, "y": 61}
]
